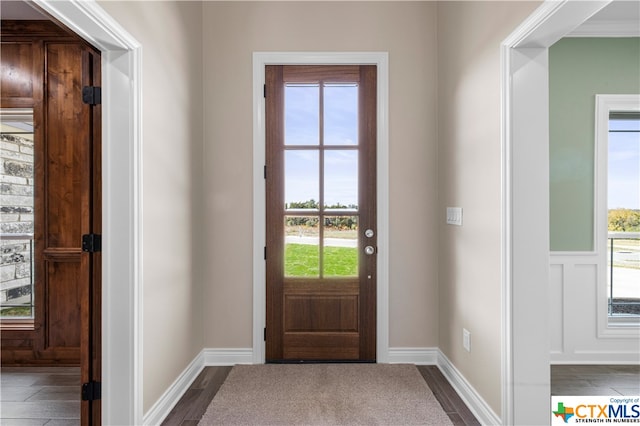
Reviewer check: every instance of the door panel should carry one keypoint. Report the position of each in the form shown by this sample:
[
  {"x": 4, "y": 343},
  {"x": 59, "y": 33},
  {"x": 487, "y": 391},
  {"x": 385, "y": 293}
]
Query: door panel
[
  {"x": 63, "y": 303},
  {"x": 61, "y": 209},
  {"x": 321, "y": 285},
  {"x": 17, "y": 70},
  {"x": 333, "y": 310},
  {"x": 66, "y": 181}
]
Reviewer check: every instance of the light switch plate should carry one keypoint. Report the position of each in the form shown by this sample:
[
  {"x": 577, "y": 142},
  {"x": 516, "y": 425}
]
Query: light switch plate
[{"x": 454, "y": 216}]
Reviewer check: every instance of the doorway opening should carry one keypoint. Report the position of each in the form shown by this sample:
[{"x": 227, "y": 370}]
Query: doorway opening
[{"x": 52, "y": 205}]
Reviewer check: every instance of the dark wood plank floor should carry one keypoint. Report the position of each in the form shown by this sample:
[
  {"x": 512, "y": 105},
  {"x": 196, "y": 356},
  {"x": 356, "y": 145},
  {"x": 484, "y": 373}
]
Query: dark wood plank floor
[
  {"x": 190, "y": 409},
  {"x": 451, "y": 403},
  {"x": 595, "y": 380},
  {"x": 40, "y": 396}
]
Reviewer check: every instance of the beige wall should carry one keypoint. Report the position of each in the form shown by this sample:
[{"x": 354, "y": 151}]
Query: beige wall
[
  {"x": 469, "y": 160},
  {"x": 171, "y": 36},
  {"x": 232, "y": 32},
  {"x": 197, "y": 248}
]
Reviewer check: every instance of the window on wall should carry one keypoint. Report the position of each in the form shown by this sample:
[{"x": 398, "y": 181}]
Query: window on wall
[
  {"x": 623, "y": 214},
  {"x": 618, "y": 158},
  {"x": 16, "y": 214}
]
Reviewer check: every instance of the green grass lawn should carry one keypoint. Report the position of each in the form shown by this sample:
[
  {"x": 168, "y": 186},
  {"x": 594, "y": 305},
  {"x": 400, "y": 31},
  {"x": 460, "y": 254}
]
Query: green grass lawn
[
  {"x": 18, "y": 311},
  {"x": 301, "y": 260}
]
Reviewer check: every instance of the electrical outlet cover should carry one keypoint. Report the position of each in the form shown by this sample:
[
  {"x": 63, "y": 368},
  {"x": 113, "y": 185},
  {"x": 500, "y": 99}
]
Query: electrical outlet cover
[
  {"x": 454, "y": 216},
  {"x": 466, "y": 339}
]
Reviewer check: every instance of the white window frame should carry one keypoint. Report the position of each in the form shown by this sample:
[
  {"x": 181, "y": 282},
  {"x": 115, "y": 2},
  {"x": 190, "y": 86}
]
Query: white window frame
[{"x": 605, "y": 104}]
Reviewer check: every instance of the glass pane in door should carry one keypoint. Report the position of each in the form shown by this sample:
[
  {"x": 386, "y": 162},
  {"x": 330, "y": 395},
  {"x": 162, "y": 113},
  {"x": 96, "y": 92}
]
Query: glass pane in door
[
  {"x": 16, "y": 220},
  {"x": 302, "y": 179},
  {"x": 340, "y": 246},
  {"x": 341, "y": 179},
  {"x": 302, "y": 114},
  {"x": 302, "y": 246},
  {"x": 341, "y": 114}
]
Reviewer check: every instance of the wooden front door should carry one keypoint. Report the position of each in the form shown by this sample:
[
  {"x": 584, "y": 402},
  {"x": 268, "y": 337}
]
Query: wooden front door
[
  {"x": 52, "y": 192},
  {"x": 321, "y": 213}
]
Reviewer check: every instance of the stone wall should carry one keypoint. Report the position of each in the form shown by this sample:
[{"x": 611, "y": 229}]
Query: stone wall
[{"x": 16, "y": 217}]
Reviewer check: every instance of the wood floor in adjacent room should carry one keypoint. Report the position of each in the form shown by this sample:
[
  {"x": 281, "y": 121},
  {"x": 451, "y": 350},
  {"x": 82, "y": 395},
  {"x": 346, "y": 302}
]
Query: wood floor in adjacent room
[
  {"x": 38, "y": 396},
  {"x": 595, "y": 380}
]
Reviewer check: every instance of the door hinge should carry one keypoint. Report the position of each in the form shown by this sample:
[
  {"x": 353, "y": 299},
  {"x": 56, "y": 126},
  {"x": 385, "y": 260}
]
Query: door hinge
[
  {"x": 92, "y": 95},
  {"x": 265, "y": 252},
  {"x": 265, "y": 171},
  {"x": 265, "y": 334},
  {"x": 91, "y": 391},
  {"x": 92, "y": 243},
  {"x": 264, "y": 90}
]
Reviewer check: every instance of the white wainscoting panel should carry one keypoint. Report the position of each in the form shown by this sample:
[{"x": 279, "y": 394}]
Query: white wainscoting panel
[
  {"x": 573, "y": 315},
  {"x": 556, "y": 309}
]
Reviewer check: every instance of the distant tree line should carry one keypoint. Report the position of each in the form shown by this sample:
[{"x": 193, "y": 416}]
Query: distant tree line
[
  {"x": 337, "y": 222},
  {"x": 624, "y": 220}
]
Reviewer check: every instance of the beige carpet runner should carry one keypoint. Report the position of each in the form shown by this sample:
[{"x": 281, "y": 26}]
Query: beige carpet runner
[{"x": 325, "y": 394}]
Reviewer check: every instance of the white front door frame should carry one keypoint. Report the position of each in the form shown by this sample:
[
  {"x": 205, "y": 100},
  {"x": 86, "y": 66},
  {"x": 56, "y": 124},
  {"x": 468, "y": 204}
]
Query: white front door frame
[
  {"x": 525, "y": 207},
  {"x": 260, "y": 60},
  {"x": 121, "y": 205}
]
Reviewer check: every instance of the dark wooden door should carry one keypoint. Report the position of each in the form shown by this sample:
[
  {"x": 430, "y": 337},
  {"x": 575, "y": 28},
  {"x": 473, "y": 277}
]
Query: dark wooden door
[
  {"x": 91, "y": 306},
  {"x": 45, "y": 68},
  {"x": 321, "y": 213}
]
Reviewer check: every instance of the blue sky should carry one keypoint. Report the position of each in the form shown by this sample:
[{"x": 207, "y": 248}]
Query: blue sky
[
  {"x": 302, "y": 167},
  {"x": 624, "y": 165},
  {"x": 340, "y": 128}
]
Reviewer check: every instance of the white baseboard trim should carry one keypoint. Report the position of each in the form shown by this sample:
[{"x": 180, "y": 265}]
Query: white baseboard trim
[
  {"x": 231, "y": 356},
  {"x": 207, "y": 357},
  {"x": 419, "y": 356},
  {"x": 478, "y": 406},
  {"x": 163, "y": 406}
]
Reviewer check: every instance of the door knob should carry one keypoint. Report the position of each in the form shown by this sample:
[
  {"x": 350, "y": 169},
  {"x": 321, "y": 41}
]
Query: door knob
[
  {"x": 369, "y": 250},
  {"x": 369, "y": 233}
]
